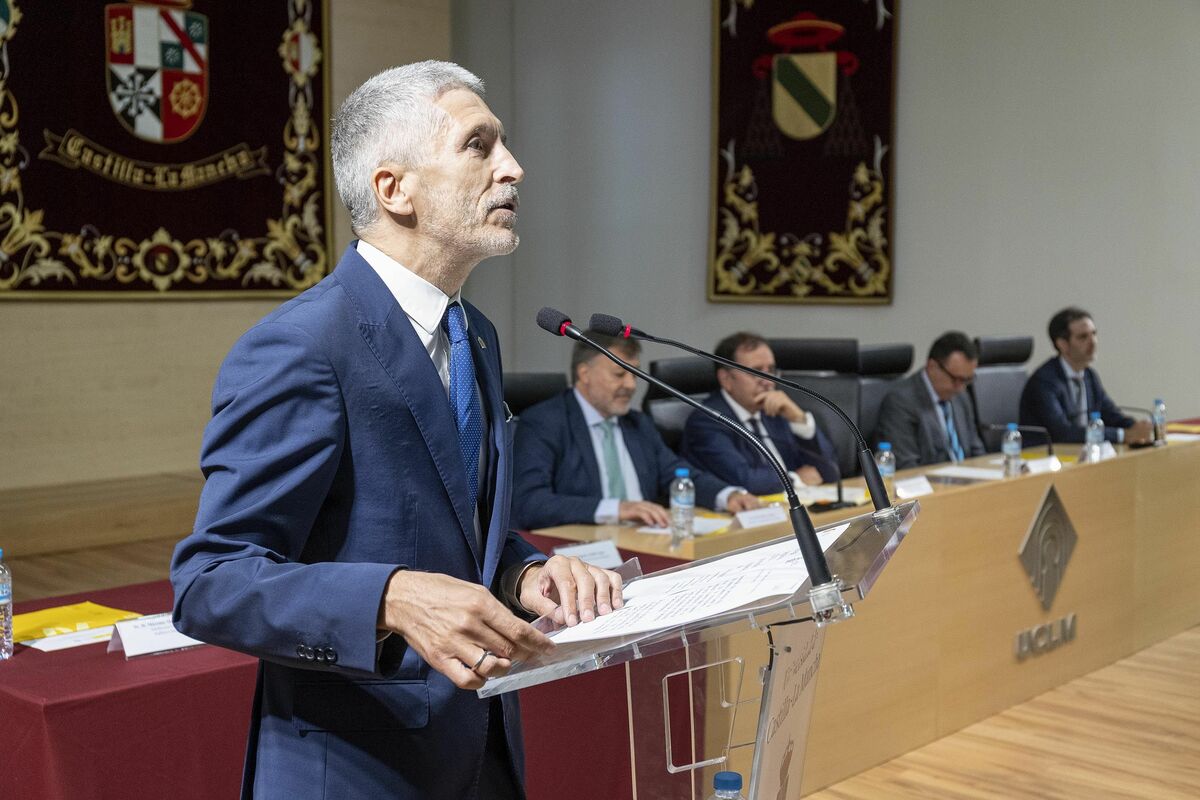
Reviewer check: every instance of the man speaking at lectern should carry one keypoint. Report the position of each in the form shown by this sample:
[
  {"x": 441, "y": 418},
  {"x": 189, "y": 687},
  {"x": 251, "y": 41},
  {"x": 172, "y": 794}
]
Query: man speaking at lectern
[{"x": 353, "y": 529}]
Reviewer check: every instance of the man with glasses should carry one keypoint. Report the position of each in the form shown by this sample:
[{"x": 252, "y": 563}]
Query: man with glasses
[
  {"x": 927, "y": 416},
  {"x": 787, "y": 430}
]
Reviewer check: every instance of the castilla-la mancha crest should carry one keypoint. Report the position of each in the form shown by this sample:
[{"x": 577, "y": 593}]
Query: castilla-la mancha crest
[{"x": 156, "y": 60}]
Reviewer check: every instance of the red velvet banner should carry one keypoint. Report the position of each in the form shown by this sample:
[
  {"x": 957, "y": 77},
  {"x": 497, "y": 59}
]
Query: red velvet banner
[
  {"x": 163, "y": 148},
  {"x": 802, "y": 178}
]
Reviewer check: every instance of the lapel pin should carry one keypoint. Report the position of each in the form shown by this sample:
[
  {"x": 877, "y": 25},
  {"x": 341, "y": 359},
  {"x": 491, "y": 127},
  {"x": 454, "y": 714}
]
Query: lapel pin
[{"x": 482, "y": 346}]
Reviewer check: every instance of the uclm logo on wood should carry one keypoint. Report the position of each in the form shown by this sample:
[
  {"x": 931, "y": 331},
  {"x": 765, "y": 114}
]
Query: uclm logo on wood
[{"x": 1044, "y": 554}]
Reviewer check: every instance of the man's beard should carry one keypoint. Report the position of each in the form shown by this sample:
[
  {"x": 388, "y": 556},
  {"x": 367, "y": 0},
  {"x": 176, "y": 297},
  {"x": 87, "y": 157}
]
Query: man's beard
[{"x": 462, "y": 225}]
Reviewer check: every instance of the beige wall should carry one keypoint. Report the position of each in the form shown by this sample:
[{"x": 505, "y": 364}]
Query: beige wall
[{"x": 95, "y": 390}]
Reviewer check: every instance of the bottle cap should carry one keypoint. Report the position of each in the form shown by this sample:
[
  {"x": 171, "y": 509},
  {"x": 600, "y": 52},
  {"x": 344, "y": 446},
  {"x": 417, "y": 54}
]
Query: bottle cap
[
  {"x": 727, "y": 781},
  {"x": 1158, "y": 401},
  {"x": 681, "y": 472},
  {"x": 1094, "y": 415},
  {"x": 1012, "y": 426},
  {"x": 1, "y": 553},
  {"x": 884, "y": 446}
]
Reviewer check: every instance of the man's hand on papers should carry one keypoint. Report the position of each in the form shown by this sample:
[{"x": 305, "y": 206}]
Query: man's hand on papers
[
  {"x": 451, "y": 623},
  {"x": 644, "y": 512},
  {"x": 742, "y": 501},
  {"x": 569, "y": 590}
]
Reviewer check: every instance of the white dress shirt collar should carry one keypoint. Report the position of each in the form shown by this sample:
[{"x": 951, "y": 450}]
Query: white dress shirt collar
[
  {"x": 590, "y": 415},
  {"x": 424, "y": 303},
  {"x": 1070, "y": 371},
  {"x": 742, "y": 414}
]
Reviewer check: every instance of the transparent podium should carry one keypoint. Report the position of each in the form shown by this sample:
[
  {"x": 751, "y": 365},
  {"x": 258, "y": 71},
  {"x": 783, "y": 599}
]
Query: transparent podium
[{"x": 696, "y": 699}]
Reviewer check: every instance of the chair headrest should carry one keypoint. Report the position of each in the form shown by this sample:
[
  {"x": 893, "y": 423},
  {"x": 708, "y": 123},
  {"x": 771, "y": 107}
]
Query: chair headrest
[
  {"x": 884, "y": 359},
  {"x": 690, "y": 375},
  {"x": 805, "y": 355},
  {"x": 1004, "y": 349}
]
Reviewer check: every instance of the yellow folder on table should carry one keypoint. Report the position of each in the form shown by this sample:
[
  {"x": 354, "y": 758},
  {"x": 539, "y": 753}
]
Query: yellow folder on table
[{"x": 66, "y": 619}]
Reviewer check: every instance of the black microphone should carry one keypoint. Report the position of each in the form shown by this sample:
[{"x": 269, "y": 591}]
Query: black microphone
[
  {"x": 612, "y": 326},
  {"x": 992, "y": 426},
  {"x": 560, "y": 324},
  {"x": 1156, "y": 434}
]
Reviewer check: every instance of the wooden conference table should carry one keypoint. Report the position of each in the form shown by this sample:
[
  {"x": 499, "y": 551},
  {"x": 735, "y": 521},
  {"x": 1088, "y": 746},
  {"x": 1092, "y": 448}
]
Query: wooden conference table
[
  {"x": 932, "y": 649},
  {"x": 934, "y": 646}
]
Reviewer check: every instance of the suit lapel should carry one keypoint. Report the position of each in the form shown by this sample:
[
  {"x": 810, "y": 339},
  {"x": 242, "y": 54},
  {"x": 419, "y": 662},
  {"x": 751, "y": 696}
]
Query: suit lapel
[
  {"x": 646, "y": 471},
  {"x": 389, "y": 334},
  {"x": 495, "y": 489},
  {"x": 582, "y": 437}
]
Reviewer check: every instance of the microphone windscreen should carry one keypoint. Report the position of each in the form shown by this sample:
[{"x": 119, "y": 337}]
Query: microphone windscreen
[
  {"x": 608, "y": 325},
  {"x": 551, "y": 319}
]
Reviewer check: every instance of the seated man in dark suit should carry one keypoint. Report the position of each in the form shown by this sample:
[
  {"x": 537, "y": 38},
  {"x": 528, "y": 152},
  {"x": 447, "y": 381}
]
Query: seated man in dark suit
[
  {"x": 584, "y": 457},
  {"x": 770, "y": 414},
  {"x": 1061, "y": 394},
  {"x": 927, "y": 416}
]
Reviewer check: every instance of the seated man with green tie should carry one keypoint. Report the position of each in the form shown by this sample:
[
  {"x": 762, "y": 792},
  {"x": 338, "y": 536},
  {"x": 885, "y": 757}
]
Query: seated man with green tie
[
  {"x": 927, "y": 416},
  {"x": 584, "y": 457}
]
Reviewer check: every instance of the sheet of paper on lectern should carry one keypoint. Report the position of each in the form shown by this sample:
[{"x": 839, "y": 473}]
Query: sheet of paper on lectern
[{"x": 696, "y": 593}]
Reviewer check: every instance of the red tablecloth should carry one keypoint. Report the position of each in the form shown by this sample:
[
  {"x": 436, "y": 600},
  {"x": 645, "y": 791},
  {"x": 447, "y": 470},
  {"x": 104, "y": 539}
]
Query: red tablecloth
[{"x": 83, "y": 723}]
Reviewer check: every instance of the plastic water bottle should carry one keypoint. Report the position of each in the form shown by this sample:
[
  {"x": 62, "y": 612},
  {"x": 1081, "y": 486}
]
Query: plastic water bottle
[
  {"x": 1160, "y": 421},
  {"x": 885, "y": 459},
  {"x": 727, "y": 786},
  {"x": 6, "y": 628},
  {"x": 683, "y": 506},
  {"x": 1093, "y": 440},
  {"x": 1011, "y": 448}
]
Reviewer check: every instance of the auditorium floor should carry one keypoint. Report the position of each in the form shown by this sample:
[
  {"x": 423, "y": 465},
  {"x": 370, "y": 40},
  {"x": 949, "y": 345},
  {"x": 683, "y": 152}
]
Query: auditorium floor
[{"x": 1129, "y": 730}]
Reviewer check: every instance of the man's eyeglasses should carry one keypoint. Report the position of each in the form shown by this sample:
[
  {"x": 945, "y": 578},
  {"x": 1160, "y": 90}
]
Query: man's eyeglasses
[{"x": 958, "y": 380}]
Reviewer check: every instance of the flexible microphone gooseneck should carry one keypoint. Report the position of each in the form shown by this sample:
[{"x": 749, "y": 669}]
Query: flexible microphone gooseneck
[
  {"x": 993, "y": 426},
  {"x": 1156, "y": 435},
  {"x": 825, "y": 594},
  {"x": 612, "y": 326}
]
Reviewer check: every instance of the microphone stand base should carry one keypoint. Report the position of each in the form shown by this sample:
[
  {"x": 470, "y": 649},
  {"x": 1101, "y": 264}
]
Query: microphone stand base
[
  {"x": 833, "y": 506},
  {"x": 828, "y": 604}
]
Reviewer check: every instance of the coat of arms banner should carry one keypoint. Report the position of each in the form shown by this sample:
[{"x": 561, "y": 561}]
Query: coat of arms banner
[
  {"x": 802, "y": 176},
  {"x": 163, "y": 148}
]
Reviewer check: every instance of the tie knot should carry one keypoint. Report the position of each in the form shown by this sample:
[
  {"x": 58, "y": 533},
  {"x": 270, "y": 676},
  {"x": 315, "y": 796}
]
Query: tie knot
[{"x": 456, "y": 323}]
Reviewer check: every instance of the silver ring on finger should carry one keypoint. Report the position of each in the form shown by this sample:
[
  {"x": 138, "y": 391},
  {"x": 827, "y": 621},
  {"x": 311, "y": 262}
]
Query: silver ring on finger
[{"x": 482, "y": 657}]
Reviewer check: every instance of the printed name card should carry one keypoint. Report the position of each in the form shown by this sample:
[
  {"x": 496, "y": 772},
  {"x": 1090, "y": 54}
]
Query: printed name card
[
  {"x": 598, "y": 554},
  {"x": 909, "y": 488},
  {"x": 757, "y": 517},
  {"x": 152, "y": 633}
]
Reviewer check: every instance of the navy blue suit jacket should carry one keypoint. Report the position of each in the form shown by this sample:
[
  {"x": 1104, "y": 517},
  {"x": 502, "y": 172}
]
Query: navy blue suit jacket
[
  {"x": 557, "y": 478},
  {"x": 711, "y": 445},
  {"x": 331, "y": 459},
  {"x": 1047, "y": 401}
]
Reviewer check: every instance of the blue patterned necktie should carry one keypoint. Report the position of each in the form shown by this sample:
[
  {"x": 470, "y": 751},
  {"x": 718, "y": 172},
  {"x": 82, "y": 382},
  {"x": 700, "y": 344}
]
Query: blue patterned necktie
[
  {"x": 464, "y": 399},
  {"x": 956, "y": 451}
]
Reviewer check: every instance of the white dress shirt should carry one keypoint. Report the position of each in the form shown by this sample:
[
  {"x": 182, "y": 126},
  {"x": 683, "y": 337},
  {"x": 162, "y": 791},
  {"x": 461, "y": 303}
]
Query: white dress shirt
[
  {"x": 608, "y": 509},
  {"x": 805, "y": 429}
]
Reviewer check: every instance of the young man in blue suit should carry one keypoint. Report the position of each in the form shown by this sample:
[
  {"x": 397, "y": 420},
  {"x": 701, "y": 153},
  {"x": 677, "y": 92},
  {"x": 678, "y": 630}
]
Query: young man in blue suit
[
  {"x": 353, "y": 529},
  {"x": 585, "y": 457},
  {"x": 1061, "y": 394},
  {"x": 770, "y": 414}
]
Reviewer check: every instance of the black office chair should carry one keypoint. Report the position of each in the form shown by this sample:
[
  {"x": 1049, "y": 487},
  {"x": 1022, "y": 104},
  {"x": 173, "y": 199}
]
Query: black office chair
[
  {"x": 879, "y": 367},
  {"x": 524, "y": 389},
  {"x": 815, "y": 355},
  {"x": 999, "y": 380},
  {"x": 693, "y": 376}
]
